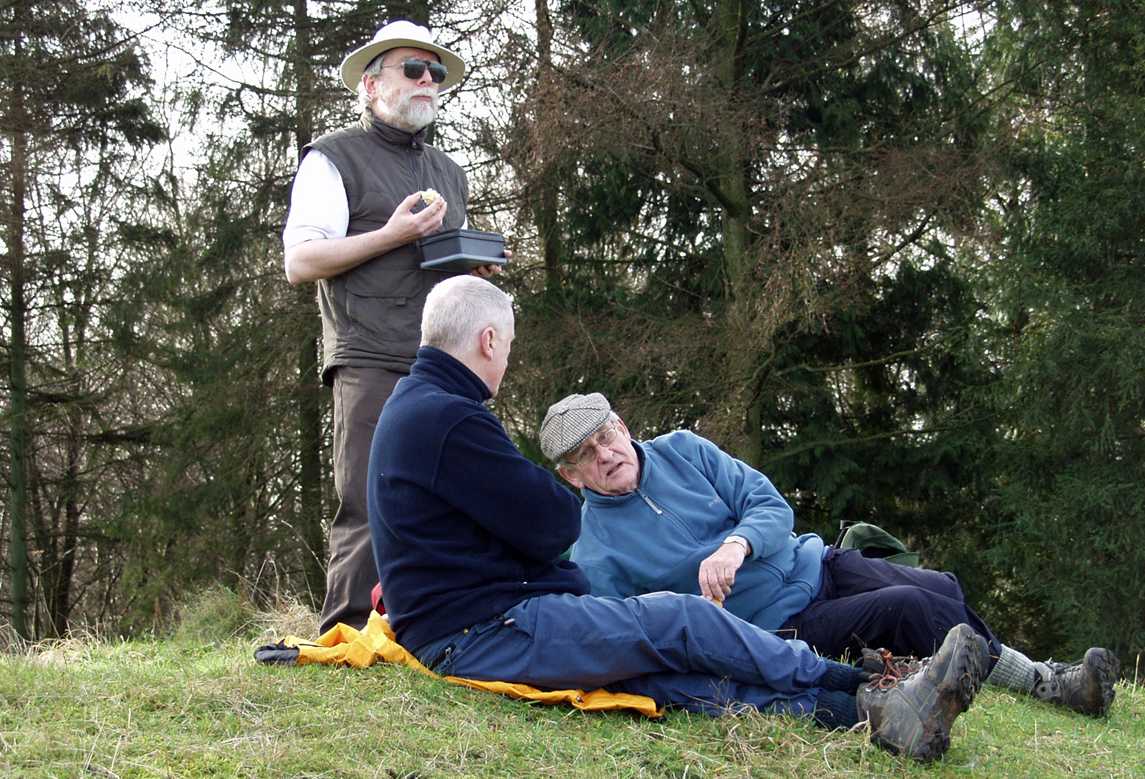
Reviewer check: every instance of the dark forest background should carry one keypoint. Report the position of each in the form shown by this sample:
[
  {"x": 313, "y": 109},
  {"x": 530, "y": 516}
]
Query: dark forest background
[{"x": 890, "y": 253}]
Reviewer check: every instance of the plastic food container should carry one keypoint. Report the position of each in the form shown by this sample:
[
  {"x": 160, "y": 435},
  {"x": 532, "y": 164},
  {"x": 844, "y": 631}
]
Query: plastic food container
[{"x": 461, "y": 250}]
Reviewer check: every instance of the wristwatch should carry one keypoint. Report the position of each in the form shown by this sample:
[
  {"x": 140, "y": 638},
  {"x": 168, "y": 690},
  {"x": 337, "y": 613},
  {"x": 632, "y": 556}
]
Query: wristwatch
[{"x": 741, "y": 541}]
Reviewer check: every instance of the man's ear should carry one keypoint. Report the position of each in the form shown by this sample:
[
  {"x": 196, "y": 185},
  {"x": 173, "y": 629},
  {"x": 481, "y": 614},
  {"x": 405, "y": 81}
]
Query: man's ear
[
  {"x": 570, "y": 476},
  {"x": 367, "y": 82},
  {"x": 487, "y": 342}
]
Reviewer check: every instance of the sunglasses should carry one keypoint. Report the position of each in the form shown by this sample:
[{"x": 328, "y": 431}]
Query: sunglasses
[{"x": 414, "y": 69}]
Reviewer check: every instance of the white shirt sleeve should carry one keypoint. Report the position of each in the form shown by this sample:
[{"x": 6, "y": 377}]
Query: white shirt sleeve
[{"x": 318, "y": 206}]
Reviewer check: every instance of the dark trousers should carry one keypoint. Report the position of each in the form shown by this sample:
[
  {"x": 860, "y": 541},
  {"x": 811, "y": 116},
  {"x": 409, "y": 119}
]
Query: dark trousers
[
  {"x": 867, "y": 602},
  {"x": 359, "y": 394}
]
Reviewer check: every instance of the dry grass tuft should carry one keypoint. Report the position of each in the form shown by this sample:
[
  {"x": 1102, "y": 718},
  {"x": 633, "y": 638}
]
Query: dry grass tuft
[
  {"x": 287, "y": 617},
  {"x": 61, "y": 652},
  {"x": 10, "y": 642}
]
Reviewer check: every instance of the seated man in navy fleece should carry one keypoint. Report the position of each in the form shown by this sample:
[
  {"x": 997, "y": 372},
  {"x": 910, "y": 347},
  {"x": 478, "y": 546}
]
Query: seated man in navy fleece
[
  {"x": 676, "y": 513},
  {"x": 468, "y": 534}
]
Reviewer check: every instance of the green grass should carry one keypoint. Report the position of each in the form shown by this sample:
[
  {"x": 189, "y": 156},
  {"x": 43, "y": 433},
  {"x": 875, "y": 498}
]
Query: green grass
[{"x": 181, "y": 708}]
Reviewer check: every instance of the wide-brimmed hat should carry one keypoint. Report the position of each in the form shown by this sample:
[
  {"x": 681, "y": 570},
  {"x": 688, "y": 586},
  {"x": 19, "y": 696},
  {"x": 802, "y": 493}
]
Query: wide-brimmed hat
[
  {"x": 397, "y": 35},
  {"x": 570, "y": 421}
]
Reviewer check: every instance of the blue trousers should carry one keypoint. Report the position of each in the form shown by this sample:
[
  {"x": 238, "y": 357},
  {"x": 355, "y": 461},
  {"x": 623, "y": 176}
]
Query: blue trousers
[
  {"x": 680, "y": 650},
  {"x": 867, "y": 602}
]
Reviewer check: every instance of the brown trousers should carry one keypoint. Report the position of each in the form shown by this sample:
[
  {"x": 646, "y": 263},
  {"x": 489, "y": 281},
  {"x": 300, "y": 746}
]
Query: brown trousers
[{"x": 359, "y": 394}]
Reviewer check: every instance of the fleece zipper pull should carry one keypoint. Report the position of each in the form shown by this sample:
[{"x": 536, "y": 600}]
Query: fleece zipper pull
[{"x": 651, "y": 504}]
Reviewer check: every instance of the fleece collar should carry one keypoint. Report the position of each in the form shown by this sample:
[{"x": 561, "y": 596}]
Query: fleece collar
[
  {"x": 449, "y": 373},
  {"x": 396, "y": 137}
]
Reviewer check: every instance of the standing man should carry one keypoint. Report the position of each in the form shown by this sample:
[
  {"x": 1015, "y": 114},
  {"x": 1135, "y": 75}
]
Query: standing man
[{"x": 356, "y": 211}]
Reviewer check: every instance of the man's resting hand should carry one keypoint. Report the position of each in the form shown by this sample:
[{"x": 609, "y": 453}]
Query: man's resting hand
[{"x": 718, "y": 571}]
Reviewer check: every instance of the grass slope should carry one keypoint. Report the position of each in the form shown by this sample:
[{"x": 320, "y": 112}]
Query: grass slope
[{"x": 187, "y": 708}]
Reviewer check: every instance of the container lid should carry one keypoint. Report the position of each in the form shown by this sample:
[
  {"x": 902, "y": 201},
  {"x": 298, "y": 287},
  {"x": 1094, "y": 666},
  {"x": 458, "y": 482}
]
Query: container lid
[{"x": 479, "y": 235}]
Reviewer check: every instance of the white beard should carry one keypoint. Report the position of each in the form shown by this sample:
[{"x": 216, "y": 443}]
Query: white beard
[{"x": 410, "y": 115}]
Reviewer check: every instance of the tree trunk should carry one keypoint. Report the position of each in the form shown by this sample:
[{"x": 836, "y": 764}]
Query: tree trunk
[
  {"x": 545, "y": 203},
  {"x": 57, "y": 581},
  {"x": 19, "y": 434},
  {"x": 60, "y": 605},
  {"x": 311, "y": 524},
  {"x": 57, "y": 543},
  {"x": 734, "y": 190}
]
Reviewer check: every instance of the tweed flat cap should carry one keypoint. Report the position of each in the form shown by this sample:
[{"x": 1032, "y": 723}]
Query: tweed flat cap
[{"x": 570, "y": 421}]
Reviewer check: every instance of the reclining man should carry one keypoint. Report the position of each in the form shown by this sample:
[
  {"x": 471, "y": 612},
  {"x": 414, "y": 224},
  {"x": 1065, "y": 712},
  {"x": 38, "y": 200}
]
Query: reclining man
[
  {"x": 676, "y": 513},
  {"x": 468, "y": 535}
]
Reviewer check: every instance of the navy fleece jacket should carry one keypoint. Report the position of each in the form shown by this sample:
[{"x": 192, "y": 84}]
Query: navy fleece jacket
[{"x": 464, "y": 526}]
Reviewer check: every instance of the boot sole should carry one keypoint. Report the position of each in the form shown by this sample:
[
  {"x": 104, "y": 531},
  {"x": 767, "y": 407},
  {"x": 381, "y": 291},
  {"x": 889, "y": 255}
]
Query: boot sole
[
  {"x": 1106, "y": 668},
  {"x": 952, "y": 696}
]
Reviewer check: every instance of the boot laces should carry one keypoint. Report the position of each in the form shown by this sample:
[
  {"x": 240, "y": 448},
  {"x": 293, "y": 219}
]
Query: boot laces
[{"x": 895, "y": 670}]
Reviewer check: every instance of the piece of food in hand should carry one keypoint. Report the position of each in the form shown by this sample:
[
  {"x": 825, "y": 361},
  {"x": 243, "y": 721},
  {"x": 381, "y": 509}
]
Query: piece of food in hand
[{"x": 429, "y": 195}]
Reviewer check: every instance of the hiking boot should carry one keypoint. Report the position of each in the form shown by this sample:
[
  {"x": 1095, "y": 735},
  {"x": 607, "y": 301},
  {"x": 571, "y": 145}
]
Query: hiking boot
[
  {"x": 1085, "y": 687},
  {"x": 912, "y": 714}
]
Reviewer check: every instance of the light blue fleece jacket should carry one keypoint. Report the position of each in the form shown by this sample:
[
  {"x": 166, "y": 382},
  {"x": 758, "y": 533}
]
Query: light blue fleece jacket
[{"x": 691, "y": 496}]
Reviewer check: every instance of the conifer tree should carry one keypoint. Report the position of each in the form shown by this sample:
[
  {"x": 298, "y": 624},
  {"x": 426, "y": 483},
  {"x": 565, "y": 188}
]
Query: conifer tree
[
  {"x": 748, "y": 197},
  {"x": 73, "y": 111},
  {"x": 1068, "y": 293}
]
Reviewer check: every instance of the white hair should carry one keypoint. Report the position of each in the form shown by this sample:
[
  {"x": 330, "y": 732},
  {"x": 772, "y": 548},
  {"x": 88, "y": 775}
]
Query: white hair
[
  {"x": 459, "y": 308},
  {"x": 372, "y": 69}
]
